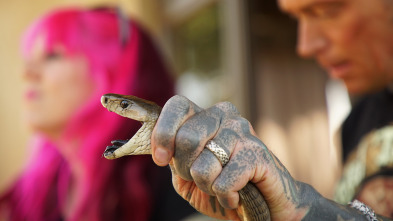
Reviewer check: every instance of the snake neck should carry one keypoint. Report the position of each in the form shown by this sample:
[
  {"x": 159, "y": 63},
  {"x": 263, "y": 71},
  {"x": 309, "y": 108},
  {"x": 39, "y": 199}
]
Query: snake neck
[{"x": 139, "y": 144}]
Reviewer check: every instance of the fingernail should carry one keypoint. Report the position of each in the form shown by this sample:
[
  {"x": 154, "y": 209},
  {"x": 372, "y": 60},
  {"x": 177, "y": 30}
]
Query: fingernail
[{"x": 162, "y": 156}]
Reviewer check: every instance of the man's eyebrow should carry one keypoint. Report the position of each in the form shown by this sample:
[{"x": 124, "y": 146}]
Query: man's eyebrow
[{"x": 309, "y": 7}]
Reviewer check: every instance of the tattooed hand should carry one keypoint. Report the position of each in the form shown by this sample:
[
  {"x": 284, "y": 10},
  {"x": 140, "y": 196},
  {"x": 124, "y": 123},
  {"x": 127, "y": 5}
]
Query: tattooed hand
[{"x": 179, "y": 138}]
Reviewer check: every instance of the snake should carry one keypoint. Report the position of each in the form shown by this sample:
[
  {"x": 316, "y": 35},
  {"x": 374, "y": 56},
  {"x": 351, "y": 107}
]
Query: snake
[{"x": 253, "y": 206}]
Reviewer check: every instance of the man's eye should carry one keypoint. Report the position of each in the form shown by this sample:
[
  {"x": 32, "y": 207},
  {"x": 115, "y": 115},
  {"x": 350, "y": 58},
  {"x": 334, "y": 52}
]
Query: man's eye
[{"x": 329, "y": 11}]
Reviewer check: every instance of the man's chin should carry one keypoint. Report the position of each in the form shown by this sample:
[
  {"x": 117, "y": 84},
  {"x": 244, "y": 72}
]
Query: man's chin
[{"x": 358, "y": 89}]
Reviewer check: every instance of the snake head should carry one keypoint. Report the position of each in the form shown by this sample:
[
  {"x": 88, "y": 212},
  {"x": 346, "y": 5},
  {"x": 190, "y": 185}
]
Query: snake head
[
  {"x": 128, "y": 106},
  {"x": 134, "y": 108}
]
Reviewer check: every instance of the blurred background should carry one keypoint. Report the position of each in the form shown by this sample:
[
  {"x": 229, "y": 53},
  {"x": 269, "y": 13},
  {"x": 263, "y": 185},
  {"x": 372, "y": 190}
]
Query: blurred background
[{"x": 242, "y": 51}]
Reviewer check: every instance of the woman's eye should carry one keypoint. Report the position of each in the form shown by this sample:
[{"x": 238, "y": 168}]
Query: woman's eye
[
  {"x": 51, "y": 55},
  {"x": 124, "y": 104}
]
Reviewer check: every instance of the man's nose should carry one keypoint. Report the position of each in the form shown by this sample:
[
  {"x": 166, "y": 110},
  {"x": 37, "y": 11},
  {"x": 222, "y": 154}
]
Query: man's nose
[{"x": 311, "y": 39}]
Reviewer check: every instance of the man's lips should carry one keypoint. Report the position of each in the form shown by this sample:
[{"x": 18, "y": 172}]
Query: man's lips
[{"x": 338, "y": 70}]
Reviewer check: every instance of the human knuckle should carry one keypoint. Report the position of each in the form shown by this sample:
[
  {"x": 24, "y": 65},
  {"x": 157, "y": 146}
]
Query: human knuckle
[
  {"x": 177, "y": 98},
  {"x": 220, "y": 188},
  {"x": 227, "y": 107},
  {"x": 243, "y": 121},
  {"x": 178, "y": 101},
  {"x": 180, "y": 106},
  {"x": 200, "y": 174},
  {"x": 236, "y": 123},
  {"x": 161, "y": 135},
  {"x": 186, "y": 139}
]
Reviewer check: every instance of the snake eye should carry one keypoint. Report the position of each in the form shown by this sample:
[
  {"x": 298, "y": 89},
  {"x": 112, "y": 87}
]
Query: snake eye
[{"x": 124, "y": 104}]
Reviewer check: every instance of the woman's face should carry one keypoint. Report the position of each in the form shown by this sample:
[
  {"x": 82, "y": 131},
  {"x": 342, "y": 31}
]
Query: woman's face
[{"x": 57, "y": 84}]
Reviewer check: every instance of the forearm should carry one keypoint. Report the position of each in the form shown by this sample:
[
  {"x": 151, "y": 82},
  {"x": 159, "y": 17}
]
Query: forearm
[{"x": 320, "y": 208}]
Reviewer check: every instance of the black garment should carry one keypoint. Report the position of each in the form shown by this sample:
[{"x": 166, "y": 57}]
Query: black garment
[
  {"x": 367, "y": 144},
  {"x": 372, "y": 112}
]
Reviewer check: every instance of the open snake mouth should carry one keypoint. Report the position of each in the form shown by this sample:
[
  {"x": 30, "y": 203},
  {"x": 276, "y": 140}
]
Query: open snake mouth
[
  {"x": 116, "y": 144},
  {"x": 135, "y": 108}
]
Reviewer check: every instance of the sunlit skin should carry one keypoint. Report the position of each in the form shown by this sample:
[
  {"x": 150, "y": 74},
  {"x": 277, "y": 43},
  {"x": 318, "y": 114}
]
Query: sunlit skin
[
  {"x": 351, "y": 39},
  {"x": 56, "y": 85}
]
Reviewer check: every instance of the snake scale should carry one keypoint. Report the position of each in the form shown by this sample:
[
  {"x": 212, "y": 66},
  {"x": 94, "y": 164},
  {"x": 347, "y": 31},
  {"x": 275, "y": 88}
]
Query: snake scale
[{"x": 253, "y": 205}]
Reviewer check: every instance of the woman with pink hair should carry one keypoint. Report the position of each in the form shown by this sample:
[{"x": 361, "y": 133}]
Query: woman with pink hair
[{"x": 74, "y": 56}]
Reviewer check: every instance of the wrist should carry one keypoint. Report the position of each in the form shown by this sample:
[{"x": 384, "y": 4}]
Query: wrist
[
  {"x": 320, "y": 208},
  {"x": 298, "y": 204},
  {"x": 364, "y": 209}
]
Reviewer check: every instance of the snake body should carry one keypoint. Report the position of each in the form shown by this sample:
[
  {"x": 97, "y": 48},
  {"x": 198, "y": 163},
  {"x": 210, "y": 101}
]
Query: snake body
[{"x": 253, "y": 205}]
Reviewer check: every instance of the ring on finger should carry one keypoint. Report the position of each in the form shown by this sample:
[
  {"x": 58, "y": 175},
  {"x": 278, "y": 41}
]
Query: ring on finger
[{"x": 218, "y": 151}]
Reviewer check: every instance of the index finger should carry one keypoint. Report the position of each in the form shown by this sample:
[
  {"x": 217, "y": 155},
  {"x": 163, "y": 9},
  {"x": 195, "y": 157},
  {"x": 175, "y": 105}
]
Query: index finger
[{"x": 174, "y": 113}]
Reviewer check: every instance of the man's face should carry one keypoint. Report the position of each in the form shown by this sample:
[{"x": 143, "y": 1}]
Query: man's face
[{"x": 351, "y": 39}]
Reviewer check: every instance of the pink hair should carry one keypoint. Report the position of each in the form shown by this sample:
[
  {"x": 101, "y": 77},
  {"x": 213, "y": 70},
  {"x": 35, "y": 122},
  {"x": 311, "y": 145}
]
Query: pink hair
[{"x": 107, "y": 190}]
